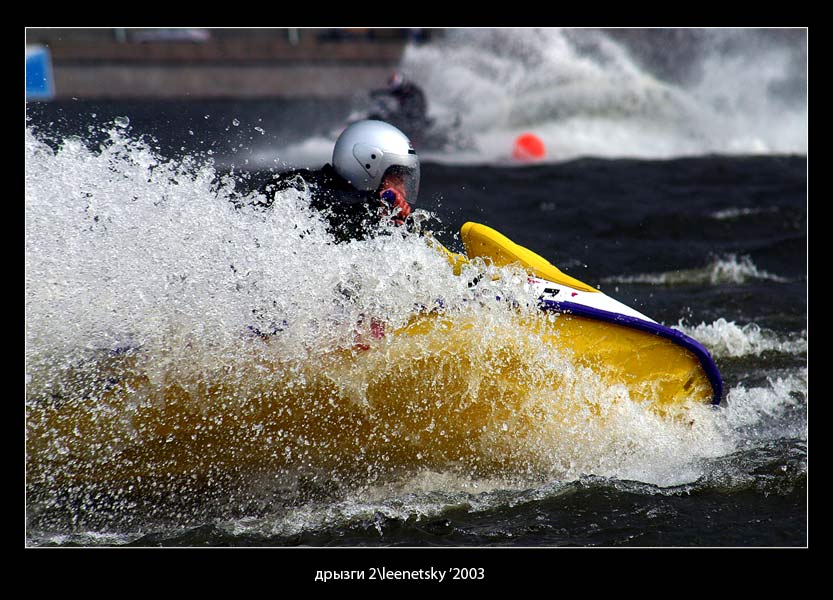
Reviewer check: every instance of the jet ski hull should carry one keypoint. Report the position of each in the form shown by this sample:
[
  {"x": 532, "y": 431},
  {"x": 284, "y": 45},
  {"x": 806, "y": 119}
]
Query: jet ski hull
[
  {"x": 448, "y": 388},
  {"x": 605, "y": 332}
]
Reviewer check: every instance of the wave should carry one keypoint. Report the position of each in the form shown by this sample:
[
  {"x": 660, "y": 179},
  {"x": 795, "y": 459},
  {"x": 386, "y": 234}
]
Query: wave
[
  {"x": 729, "y": 269},
  {"x": 730, "y": 214},
  {"x": 728, "y": 339},
  {"x": 756, "y": 414},
  {"x": 619, "y": 93}
]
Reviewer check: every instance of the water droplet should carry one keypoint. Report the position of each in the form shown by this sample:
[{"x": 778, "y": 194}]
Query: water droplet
[
  {"x": 190, "y": 132},
  {"x": 121, "y": 122},
  {"x": 235, "y": 122},
  {"x": 206, "y": 116}
]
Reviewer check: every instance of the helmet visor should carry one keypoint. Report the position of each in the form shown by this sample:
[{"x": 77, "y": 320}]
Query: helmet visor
[{"x": 404, "y": 180}]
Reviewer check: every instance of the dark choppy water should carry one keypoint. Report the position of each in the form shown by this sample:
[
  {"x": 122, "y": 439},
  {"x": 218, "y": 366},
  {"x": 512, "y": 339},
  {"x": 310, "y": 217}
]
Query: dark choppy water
[{"x": 128, "y": 246}]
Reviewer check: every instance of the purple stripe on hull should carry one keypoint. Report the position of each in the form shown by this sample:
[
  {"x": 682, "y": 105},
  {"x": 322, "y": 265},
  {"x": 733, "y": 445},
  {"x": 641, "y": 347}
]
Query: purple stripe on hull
[{"x": 675, "y": 336}]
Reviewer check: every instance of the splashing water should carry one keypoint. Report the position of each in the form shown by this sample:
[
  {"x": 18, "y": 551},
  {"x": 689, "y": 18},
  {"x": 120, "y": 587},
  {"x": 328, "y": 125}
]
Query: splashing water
[
  {"x": 592, "y": 92},
  {"x": 726, "y": 338},
  {"x": 147, "y": 384},
  {"x": 758, "y": 412}
]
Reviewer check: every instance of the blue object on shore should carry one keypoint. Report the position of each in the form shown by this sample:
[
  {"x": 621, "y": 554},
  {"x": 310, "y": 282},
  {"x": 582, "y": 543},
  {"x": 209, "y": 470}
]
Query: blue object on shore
[{"x": 39, "y": 82}]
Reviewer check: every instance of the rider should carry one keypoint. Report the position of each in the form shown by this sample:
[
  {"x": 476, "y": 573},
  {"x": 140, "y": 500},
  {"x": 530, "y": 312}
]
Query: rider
[
  {"x": 412, "y": 107},
  {"x": 374, "y": 174}
]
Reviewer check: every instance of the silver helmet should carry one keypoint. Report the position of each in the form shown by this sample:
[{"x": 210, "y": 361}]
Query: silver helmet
[{"x": 368, "y": 150}]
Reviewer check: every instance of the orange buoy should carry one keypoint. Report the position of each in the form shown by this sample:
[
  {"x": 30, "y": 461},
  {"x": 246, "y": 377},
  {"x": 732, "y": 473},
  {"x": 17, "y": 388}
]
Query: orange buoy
[{"x": 528, "y": 146}]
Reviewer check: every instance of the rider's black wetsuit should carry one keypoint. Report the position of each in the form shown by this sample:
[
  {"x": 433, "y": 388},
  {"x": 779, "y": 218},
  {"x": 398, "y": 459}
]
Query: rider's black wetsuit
[{"x": 351, "y": 213}]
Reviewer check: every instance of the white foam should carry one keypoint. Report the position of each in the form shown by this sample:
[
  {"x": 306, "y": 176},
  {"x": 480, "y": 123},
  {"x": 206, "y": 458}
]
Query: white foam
[
  {"x": 776, "y": 410},
  {"x": 729, "y": 269},
  {"x": 727, "y": 338},
  {"x": 125, "y": 248},
  {"x": 585, "y": 94}
]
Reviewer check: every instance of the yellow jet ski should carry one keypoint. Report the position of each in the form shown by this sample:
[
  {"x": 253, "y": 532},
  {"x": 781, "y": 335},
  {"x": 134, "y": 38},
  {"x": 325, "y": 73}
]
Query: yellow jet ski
[
  {"x": 658, "y": 363},
  {"x": 448, "y": 388}
]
